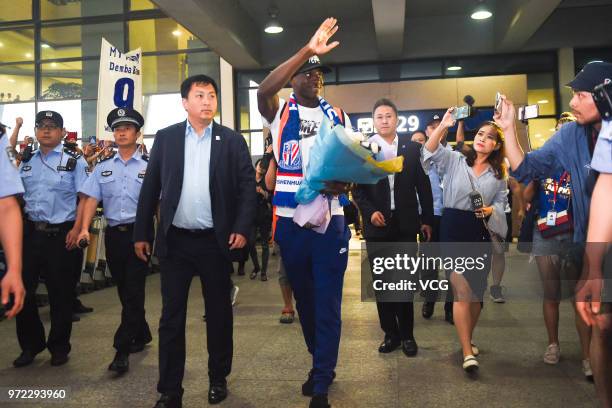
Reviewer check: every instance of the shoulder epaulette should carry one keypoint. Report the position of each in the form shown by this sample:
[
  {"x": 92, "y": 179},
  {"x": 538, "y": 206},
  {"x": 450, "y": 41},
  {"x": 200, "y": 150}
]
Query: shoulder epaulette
[
  {"x": 72, "y": 153},
  {"x": 100, "y": 160}
]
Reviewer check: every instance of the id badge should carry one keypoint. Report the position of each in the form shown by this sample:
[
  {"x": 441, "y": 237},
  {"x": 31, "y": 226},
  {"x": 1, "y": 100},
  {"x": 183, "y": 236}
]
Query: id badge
[{"x": 551, "y": 218}]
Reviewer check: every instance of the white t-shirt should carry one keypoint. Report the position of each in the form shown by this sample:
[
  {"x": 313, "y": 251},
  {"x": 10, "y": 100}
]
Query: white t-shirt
[{"x": 310, "y": 122}]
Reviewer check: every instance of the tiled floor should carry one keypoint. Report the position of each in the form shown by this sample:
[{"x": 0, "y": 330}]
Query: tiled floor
[{"x": 271, "y": 362}]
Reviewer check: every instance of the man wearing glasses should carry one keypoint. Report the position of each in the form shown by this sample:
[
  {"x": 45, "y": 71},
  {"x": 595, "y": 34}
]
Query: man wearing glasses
[{"x": 51, "y": 179}]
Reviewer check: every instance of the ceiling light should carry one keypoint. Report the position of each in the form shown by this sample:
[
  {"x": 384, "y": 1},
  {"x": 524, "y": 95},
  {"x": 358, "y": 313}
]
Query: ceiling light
[
  {"x": 28, "y": 55},
  {"x": 481, "y": 12},
  {"x": 11, "y": 80},
  {"x": 45, "y": 45},
  {"x": 54, "y": 64},
  {"x": 273, "y": 26},
  {"x": 538, "y": 135},
  {"x": 176, "y": 33},
  {"x": 454, "y": 68},
  {"x": 1, "y": 44},
  {"x": 542, "y": 102}
]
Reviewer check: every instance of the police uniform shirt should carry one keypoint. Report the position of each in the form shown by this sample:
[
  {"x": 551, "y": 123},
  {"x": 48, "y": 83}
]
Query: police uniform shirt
[
  {"x": 50, "y": 190},
  {"x": 10, "y": 183},
  {"x": 117, "y": 182}
]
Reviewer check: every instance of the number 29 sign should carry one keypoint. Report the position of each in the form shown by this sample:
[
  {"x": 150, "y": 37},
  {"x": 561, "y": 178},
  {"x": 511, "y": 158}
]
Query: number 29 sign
[{"x": 119, "y": 84}]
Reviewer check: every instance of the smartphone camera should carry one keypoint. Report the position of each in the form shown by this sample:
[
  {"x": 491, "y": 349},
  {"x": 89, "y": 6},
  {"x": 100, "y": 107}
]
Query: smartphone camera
[
  {"x": 461, "y": 112},
  {"x": 498, "y": 102},
  {"x": 528, "y": 112}
]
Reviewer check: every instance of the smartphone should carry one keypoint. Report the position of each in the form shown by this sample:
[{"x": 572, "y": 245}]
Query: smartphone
[
  {"x": 498, "y": 103},
  {"x": 461, "y": 112},
  {"x": 602, "y": 95},
  {"x": 92, "y": 140},
  {"x": 528, "y": 112}
]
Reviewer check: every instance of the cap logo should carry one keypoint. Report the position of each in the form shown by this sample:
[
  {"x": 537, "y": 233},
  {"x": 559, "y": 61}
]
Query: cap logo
[
  {"x": 607, "y": 81},
  {"x": 314, "y": 60},
  {"x": 121, "y": 112},
  {"x": 49, "y": 114}
]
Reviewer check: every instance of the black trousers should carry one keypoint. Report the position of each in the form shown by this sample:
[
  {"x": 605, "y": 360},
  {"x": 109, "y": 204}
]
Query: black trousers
[
  {"x": 188, "y": 255},
  {"x": 432, "y": 274},
  {"x": 396, "y": 318},
  {"x": 45, "y": 253},
  {"x": 129, "y": 273},
  {"x": 262, "y": 229}
]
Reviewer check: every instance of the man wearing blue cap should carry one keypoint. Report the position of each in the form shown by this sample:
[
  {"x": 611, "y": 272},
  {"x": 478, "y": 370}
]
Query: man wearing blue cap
[
  {"x": 11, "y": 228},
  {"x": 117, "y": 180},
  {"x": 569, "y": 149},
  {"x": 51, "y": 179}
]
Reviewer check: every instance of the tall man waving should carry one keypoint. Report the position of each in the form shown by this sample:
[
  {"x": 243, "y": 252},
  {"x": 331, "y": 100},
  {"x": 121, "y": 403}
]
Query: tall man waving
[{"x": 315, "y": 263}]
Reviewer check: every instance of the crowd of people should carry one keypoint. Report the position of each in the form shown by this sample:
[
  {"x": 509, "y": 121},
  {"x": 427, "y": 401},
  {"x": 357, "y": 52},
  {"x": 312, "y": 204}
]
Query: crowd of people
[{"x": 199, "y": 203}]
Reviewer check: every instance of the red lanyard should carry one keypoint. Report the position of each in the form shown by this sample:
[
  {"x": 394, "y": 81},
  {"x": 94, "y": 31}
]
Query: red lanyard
[{"x": 563, "y": 178}]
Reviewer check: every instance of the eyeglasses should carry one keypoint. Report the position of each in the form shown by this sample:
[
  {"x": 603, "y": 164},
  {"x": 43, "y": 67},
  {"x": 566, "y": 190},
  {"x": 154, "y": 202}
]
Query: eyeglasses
[{"x": 47, "y": 127}]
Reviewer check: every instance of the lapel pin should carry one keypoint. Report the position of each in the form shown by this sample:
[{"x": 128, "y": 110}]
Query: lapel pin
[{"x": 217, "y": 137}]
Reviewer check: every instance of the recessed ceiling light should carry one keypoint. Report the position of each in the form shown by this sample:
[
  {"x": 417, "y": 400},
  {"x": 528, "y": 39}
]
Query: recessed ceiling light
[
  {"x": 28, "y": 55},
  {"x": 552, "y": 129},
  {"x": 176, "y": 33},
  {"x": 273, "y": 26},
  {"x": 538, "y": 135},
  {"x": 454, "y": 68},
  {"x": 1, "y": 44},
  {"x": 542, "y": 102},
  {"x": 481, "y": 15},
  {"x": 11, "y": 80},
  {"x": 54, "y": 64},
  {"x": 45, "y": 45}
]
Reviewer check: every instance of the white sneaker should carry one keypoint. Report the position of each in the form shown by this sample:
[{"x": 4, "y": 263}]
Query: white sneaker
[
  {"x": 586, "y": 369},
  {"x": 470, "y": 364},
  {"x": 552, "y": 354},
  {"x": 234, "y": 294},
  {"x": 475, "y": 350}
]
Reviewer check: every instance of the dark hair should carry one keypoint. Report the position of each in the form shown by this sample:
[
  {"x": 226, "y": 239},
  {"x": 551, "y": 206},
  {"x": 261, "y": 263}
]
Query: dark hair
[
  {"x": 197, "y": 79},
  {"x": 384, "y": 102},
  {"x": 419, "y": 131},
  {"x": 496, "y": 157}
]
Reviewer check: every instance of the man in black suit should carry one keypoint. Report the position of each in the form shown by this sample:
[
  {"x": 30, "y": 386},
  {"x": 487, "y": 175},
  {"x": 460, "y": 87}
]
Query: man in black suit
[
  {"x": 390, "y": 213},
  {"x": 200, "y": 174}
]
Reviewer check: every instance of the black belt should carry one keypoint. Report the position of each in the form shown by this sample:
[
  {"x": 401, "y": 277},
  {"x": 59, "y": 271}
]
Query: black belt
[
  {"x": 122, "y": 227},
  {"x": 194, "y": 232},
  {"x": 43, "y": 226}
]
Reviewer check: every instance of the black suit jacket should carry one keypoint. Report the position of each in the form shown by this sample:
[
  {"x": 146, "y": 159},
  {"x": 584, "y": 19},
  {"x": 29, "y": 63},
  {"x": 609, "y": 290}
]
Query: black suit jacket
[
  {"x": 232, "y": 185},
  {"x": 410, "y": 181}
]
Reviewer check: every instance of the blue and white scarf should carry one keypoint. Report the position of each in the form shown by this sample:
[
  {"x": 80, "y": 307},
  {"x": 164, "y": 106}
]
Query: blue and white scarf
[{"x": 290, "y": 173}]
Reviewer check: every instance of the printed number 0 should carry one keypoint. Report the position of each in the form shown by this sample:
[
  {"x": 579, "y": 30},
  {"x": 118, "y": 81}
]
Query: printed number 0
[{"x": 124, "y": 98}]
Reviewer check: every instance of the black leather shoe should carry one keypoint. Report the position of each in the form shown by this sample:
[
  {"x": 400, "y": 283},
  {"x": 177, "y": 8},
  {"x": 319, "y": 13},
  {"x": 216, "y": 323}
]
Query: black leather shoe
[
  {"x": 217, "y": 393},
  {"x": 136, "y": 347},
  {"x": 428, "y": 309},
  {"x": 81, "y": 308},
  {"x": 409, "y": 347},
  {"x": 308, "y": 386},
  {"x": 319, "y": 401},
  {"x": 25, "y": 359},
  {"x": 75, "y": 318},
  {"x": 169, "y": 401},
  {"x": 58, "y": 359},
  {"x": 120, "y": 364},
  {"x": 388, "y": 345},
  {"x": 448, "y": 316}
]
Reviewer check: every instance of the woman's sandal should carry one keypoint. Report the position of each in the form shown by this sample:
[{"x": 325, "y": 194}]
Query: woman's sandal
[{"x": 287, "y": 316}]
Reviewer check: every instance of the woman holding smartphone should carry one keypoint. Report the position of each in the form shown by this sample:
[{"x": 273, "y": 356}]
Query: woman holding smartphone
[{"x": 474, "y": 196}]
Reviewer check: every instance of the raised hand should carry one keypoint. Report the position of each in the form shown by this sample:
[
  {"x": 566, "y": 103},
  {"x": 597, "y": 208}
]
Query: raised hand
[
  {"x": 505, "y": 119},
  {"x": 318, "y": 43},
  {"x": 447, "y": 119}
]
